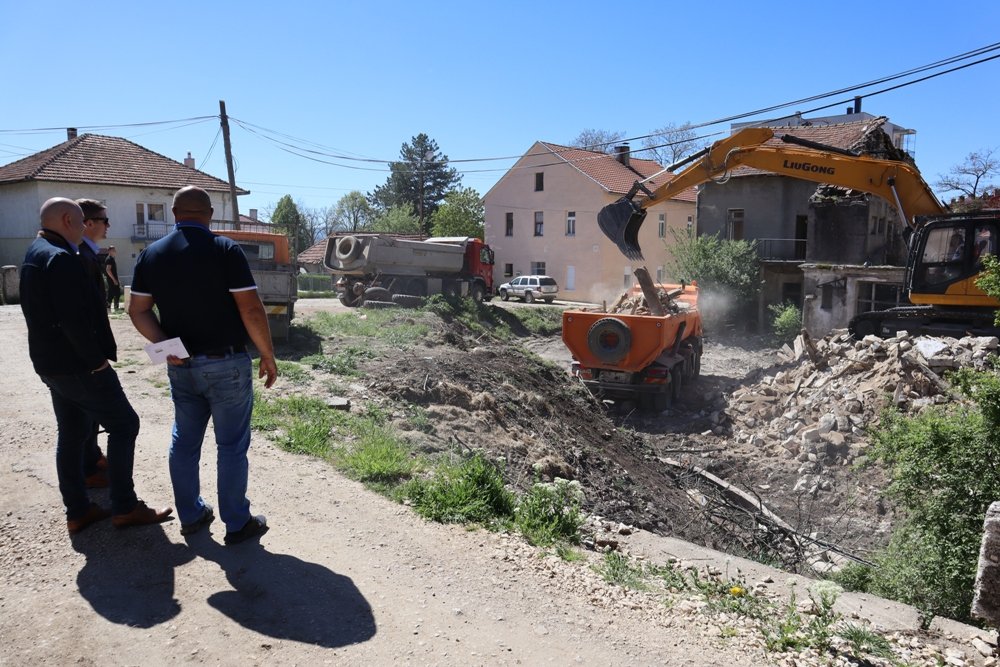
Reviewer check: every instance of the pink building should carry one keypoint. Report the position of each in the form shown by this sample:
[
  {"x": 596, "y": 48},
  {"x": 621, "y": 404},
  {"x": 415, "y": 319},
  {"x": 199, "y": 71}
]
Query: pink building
[{"x": 541, "y": 217}]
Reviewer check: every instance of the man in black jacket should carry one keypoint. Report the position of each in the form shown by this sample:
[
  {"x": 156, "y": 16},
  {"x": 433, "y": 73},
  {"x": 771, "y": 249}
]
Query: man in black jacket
[
  {"x": 70, "y": 342},
  {"x": 95, "y": 230}
]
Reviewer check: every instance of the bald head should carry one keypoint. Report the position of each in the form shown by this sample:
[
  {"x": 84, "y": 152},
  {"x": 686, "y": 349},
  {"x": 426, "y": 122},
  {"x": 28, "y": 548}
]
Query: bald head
[
  {"x": 192, "y": 203},
  {"x": 64, "y": 217}
]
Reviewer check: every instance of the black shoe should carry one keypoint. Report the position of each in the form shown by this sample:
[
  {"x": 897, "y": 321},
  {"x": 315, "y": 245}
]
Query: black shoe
[
  {"x": 207, "y": 517},
  {"x": 255, "y": 527}
]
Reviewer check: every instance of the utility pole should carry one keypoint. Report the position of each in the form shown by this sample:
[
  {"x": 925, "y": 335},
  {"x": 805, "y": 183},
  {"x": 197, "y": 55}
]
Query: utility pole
[{"x": 229, "y": 163}]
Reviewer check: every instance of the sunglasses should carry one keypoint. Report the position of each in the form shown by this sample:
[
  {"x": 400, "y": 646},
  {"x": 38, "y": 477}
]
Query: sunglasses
[{"x": 104, "y": 220}]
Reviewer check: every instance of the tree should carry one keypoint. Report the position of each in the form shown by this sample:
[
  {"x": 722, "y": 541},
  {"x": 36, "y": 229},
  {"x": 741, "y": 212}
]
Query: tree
[
  {"x": 397, "y": 220},
  {"x": 461, "y": 214},
  {"x": 419, "y": 180},
  {"x": 603, "y": 141},
  {"x": 671, "y": 143},
  {"x": 289, "y": 219},
  {"x": 352, "y": 213},
  {"x": 971, "y": 178}
]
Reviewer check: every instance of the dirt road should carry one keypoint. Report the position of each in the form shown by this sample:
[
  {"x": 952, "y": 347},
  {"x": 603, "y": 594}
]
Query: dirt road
[{"x": 343, "y": 577}]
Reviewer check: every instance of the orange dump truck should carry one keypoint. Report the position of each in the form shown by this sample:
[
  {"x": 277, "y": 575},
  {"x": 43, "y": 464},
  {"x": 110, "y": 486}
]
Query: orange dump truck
[
  {"x": 270, "y": 263},
  {"x": 631, "y": 353}
]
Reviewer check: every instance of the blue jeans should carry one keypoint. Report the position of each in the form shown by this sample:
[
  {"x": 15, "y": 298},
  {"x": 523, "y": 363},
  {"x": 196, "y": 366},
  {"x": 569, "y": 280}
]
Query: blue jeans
[
  {"x": 80, "y": 401},
  {"x": 220, "y": 388}
]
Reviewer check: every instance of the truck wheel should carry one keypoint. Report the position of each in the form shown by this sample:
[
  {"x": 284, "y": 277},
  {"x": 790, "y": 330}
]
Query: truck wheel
[
  {"x": 549, "y": 299},
  {"x": 676, "y": 383},
  {"x": 657, "y": 402},
  {"x": 478, "y": 292},
  {"x": 503, "y": 295},
  {"x": 348, "y": 248},
  {"x": 529, "y": 297},
  {"x": 408, "y": 301},
  {"x": 609, "y": 339},
  {"x": 378, "y": 305},
  {"x": 378, "y": 294}
]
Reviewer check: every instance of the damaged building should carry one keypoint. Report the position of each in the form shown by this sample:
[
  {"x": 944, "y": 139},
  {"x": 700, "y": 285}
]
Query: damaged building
[{"x": 833, "y": 251}]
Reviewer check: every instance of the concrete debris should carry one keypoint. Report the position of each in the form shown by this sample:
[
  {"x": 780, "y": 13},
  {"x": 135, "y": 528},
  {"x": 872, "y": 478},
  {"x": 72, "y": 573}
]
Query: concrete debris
[
  {"x": 635, "y": 304},
  {"x": 818, "y": 409}
]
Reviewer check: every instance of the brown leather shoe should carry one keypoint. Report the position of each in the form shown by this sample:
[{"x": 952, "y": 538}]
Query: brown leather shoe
[
  {"x": 94, "y": 514},
  {"x": 141, "y": 515},
  {"x": 99, "y": 480}
]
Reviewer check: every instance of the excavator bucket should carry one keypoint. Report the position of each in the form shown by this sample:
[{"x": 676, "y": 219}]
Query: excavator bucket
[{"x": 620, "y": 222}]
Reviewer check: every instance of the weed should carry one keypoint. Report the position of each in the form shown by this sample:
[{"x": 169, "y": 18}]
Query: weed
[
  {"x": 568, "y": 553},
  {"x": 388, "y": 326},
  {"x": 550, "y": 513},
  {"x": 290, "y": 371},
  {"x": 786, "y": 321},
  {"x": 619, "y": 570},
  {"x": 378, "y": 457},
  {"x": 863, "y": 640},
  {"x": 470, "y": 492},
  {"x": 419, "y": 419},
  {"x": 344, "y": 362}
]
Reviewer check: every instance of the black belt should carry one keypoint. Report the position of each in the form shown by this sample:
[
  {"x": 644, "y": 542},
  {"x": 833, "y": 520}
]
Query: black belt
[{"x": 221, "y": 352}]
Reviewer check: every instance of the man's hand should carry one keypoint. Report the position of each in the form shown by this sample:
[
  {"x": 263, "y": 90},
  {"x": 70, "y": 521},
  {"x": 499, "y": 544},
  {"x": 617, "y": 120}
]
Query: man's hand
[
  {"x": 174, "y": 360},
  {"x": 269, "y": 368}
]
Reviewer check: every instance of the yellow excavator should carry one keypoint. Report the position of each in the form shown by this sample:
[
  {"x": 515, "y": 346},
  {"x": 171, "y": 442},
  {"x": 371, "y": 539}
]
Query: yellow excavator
[{"x": 944, "y": 249}]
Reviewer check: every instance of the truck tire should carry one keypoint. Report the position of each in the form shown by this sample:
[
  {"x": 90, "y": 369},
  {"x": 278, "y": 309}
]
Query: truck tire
[
  {"x": 609, "y": 339},
  {"x": 348, "y": 300},
  {"x": 378, "y": 305},
  {"x": 378, "y": 294},
  {"x": 503, "y": 295},
  {"x": 478, "y": 292},
  {"x": 676, "y": 382},
  {"x": 529, "y": 297},
  {"x": 408, "y": 300},
  {"x": 348, "y": 248}
]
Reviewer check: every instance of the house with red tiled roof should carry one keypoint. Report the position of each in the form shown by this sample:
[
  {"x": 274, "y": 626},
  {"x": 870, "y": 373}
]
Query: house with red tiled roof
[
  {"x": 136, "y": 184},
  {"x": 799, "y": 225},
  {"x": 541, "y": 218}
]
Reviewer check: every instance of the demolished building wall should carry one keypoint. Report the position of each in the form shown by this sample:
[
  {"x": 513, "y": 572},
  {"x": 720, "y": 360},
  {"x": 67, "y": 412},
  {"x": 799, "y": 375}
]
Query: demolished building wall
[{"x": 831, "y": 293}]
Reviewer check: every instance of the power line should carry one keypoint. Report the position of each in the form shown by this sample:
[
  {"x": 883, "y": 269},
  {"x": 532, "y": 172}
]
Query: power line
[{"x": 38, "y": 130}]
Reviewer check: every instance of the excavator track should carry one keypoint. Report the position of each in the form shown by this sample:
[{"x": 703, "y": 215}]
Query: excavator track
[{"x": 924, "y": 321}]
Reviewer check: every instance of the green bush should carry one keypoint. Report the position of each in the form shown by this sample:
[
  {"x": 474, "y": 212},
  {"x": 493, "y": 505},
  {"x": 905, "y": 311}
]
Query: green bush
[
  {"x": 944, "y": 474},
  {"x": 550, "y": 513},
  {"x": 786, "y": 321},
  {"x": 472, "y": 491}
]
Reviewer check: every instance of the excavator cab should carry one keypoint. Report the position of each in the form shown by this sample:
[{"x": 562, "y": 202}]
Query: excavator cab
[{"x": 946, "y": 258}]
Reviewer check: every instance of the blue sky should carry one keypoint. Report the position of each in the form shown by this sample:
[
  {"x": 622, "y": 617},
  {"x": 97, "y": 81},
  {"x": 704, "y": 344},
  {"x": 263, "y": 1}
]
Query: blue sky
[{"x": 483, "y": 79}]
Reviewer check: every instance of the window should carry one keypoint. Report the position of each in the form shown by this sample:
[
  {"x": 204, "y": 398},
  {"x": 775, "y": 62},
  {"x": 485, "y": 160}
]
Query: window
[
  {"x": 734, "y": 224},
  {"x": 539, "y": 182},
  {"x": 877, "y": 296},
  {"x": 538, "y": 268},
  {"x": 628, "y": 277},
  {"x": 826, "y": 300},
  {"x": 257, "y": 251},
  {"x": 659, "y": 274},
  {"x": 661, "y": 227},
  {"x": 510, "y": 224},
  {"x": 690, "y": 223},
  {"x": 571, "y": 223},
  {"x": 508, "y": 270},
  {"x": 150, "y": 213},
  {"x": 538, "y": 223}
]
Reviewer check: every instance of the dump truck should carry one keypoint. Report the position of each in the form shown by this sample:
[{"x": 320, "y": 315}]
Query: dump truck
[
  {"x": 645, "y": 348},
  {"x": 945, "y": 249},
  {"x": 384, "y": 268},
  {"x": 273, "y": 272}
]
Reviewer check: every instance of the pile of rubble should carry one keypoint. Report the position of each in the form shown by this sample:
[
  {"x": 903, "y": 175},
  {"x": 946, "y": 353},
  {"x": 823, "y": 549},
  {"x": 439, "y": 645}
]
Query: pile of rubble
[
  {"x": 634, "y": 303},
  {"x": 831, "y": 390}
]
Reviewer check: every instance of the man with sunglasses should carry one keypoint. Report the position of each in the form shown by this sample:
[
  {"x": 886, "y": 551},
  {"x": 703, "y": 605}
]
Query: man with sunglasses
[{"x": 95, "y": 230}]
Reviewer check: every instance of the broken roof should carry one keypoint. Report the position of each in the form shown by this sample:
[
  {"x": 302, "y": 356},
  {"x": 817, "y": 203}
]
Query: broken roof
[
  {"x": 94, "y": 158},
  {"x": 865, "y": 137},
  {"x": 608, "y": 172}
]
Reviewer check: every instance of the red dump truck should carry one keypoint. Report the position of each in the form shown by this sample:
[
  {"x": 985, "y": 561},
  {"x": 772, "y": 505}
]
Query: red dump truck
[{"x": 645, "y": 348}]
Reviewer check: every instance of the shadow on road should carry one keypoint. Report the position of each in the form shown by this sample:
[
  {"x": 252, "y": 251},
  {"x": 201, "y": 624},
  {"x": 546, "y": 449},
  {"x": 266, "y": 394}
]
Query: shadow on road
[
  {"x": 129, "y": 575},
  {"x": 287, "y": 598}
]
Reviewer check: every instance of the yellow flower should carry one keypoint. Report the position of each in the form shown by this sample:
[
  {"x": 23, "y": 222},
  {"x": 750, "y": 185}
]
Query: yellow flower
[{"x": 737, "y": 591}]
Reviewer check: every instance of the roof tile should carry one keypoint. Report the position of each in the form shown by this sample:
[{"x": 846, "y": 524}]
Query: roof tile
[{"x": 94, "y": 158}]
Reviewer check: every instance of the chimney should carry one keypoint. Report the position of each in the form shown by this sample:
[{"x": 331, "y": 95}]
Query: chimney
[
  {"x": 70, "y": 133},
  {"x": 253, "y": 214},
  {"x": 189, "y": 161},
  {"x": 850, "y": 110},
  {"x": 857, "y": 104},
  {"x": 621, "y": 154}
]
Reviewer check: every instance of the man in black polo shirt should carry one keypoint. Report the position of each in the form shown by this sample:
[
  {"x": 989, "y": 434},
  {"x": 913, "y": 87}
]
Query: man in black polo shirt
[
  {"x": 70, "y": 342},
  {"x": 205, "y": 294}
]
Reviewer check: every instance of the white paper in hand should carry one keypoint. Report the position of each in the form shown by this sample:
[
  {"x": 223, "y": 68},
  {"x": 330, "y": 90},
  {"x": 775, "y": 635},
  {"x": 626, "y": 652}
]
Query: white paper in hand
[{"x": 158, "y": 352}]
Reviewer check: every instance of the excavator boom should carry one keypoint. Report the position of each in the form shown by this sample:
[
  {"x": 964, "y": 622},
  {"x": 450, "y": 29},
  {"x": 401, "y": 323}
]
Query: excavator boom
[{"x": 898, "y": 183}]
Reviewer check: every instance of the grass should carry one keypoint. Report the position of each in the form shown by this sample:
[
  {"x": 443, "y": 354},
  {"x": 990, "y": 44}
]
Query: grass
[
  {"x": 344, "y": 362},
  {"x": 471, "y": 491},
  {"x": 378, "y": 457},
  {"x": 550, "y": 513},
  {"x": 388, "y": 326},
  {"x": 619, "y": 570}
]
